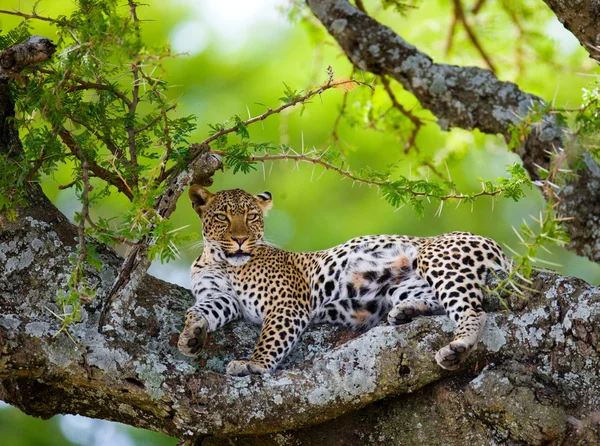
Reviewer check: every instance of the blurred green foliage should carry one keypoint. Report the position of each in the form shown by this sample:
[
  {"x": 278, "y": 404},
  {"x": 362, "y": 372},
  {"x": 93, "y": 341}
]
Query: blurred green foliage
[
  {"x": 18, "y": 429},
  {"x": 238, "y": 71}
]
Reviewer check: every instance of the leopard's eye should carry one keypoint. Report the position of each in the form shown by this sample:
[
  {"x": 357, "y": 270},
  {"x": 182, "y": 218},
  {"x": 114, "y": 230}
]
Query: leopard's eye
[
  {"x": 252, "y": 217},
  {"x": 221, "y": 217}
]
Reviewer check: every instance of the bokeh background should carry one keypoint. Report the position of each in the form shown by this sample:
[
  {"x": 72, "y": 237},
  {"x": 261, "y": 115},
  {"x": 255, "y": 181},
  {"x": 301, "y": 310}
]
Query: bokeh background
[{"x": 239, "y": 53}]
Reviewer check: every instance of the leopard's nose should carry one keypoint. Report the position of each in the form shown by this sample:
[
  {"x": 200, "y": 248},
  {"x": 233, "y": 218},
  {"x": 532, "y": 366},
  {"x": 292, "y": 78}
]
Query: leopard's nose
[{"x": 240, "y": 240}]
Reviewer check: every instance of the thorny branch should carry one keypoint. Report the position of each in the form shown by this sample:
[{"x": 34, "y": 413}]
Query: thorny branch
[
  {"x": 299, "y": 100},
  {"x": 36, "y": 16},
  {"x": 318, "y": 160}
]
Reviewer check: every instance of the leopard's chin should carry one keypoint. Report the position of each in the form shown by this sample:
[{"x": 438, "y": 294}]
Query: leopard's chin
[{"x": 238, "y": 258}]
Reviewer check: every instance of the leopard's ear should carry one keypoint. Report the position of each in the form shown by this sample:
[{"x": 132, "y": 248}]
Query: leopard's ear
[
  {"x": 265, "y": 201},
  {"x": 200, "y": 198}
]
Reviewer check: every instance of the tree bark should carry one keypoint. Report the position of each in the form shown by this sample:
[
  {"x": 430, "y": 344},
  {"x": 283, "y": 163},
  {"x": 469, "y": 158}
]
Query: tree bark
[
  {"x": 468, "y": 98},
  {"x": 582, "y": 18}
]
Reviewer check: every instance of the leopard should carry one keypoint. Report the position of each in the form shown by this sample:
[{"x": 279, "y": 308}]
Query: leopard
[{"x": 357, "y": 284}]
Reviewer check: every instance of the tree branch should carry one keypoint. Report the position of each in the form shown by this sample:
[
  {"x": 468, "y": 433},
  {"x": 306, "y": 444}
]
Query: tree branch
[
  {"x": 417, "y": 123},
  {"x": 35, "y": 49},
  {"x": 582, "y": 18},
  {"x": 317, "y": 160},
  {"x": 138, "y": 377},
  {"x": 459, "y": 14},
  {"x": 96, "y": 169},
  {"x": 35, "y": 16}
]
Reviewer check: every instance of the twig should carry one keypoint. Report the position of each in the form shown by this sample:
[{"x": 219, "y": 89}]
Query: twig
[
  {"x": 360, "y": 5},
  {"x": 459, "y": 13},
  {"x": 155, "y": 120},
  {"x": 68, "y": 185},
  {"x": 97, "y": 170},
  {"x": 477, "y": 7},
  {"x": 169, "y": 148},
  {"x": 82, "y": 84},
  {"x": 84, "y": 214},
  {"x": 271, "y": 111},
  {"x": 415, "y": 120},
  {"x": 296, "y": 101},
  {"x": 130, "y": 129},
  {"x": 451, "y": 32},
  {"x": 334, "y": 132},
  {"x": 35, "y": 16},
  {"x": 133, "y": 11},
  {"x": 135, "y": 71},
  {"x": 108, "y": 142},
  {"x": 40, "y": 160},
  {"x": 520, "y": 35}
]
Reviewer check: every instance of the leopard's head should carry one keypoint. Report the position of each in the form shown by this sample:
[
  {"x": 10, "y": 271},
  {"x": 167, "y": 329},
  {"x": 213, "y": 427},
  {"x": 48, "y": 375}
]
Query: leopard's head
[{"x": 232, "y": 221}]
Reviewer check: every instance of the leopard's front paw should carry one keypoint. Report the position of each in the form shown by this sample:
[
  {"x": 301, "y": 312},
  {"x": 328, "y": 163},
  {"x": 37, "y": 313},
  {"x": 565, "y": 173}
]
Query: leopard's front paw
[
  {"x": 193, "y": 336},
  {"x": 451, "y": 356},
  {"x": 244, "y": 368}
]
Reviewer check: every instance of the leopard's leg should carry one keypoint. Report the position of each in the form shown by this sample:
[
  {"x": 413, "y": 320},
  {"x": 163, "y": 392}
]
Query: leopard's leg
[
  {"x": 456, "y": 266},
  {"x": 206, "y": 315},
  {"x": 216, "y": 305},
  {"x": 462, "y": 305},
  {"x": 282, "y": 328},
  {"x": 467, "y": 336},
  {"x": 412, "y": 298}
]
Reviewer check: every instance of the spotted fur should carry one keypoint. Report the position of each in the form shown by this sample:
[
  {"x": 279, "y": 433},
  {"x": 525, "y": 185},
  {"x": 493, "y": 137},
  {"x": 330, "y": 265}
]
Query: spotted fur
[{"x": 356, "y": 284}]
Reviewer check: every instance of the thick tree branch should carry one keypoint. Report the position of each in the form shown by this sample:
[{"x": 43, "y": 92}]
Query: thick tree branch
[
  {"x": 34, "y": 50},
  {"x": 137, "y": 376},
  {"x": 582, "y": 18},
  {"x": 464, "y": 97}
]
